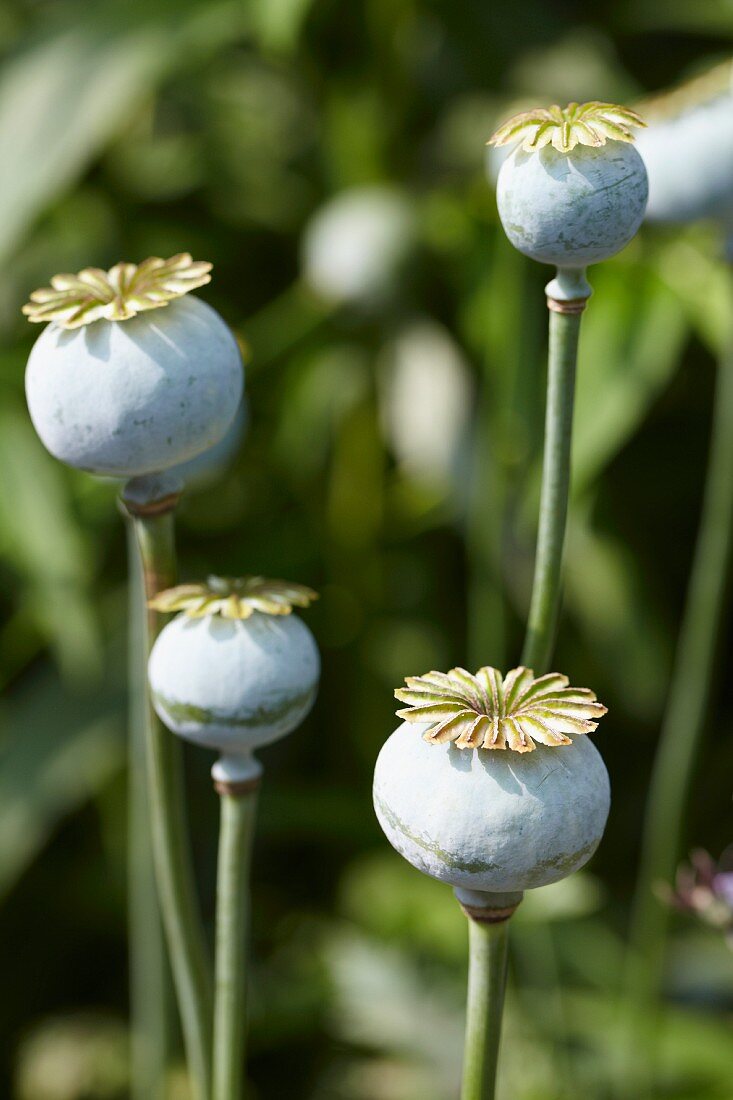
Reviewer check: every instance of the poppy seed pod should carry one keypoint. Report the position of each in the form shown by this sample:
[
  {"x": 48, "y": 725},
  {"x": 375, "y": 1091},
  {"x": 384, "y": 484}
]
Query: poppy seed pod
[
  {"x": 116, "y": 389},
  {"x": 485, "y": 820},
  {"x": 236, "y": 670},
  {"x": 356, "y": 244},
  {"x": 688, "y": 150},
  {"x": 574, "y": 191},
  {"x": 210, "y": 466}
]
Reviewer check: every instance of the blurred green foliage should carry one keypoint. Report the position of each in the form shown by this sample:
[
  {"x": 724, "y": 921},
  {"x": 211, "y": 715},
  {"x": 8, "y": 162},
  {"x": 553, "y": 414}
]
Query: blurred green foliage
[{"x": 391, "y": 462}]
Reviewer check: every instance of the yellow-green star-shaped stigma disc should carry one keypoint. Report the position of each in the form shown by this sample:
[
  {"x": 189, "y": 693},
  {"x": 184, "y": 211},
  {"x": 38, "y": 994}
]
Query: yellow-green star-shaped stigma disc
[
  {"x": 491, "y": 711},
  {"x": 118, "y": 294},
  {"x": 591, "y": 124},
  {"x": 234, "y": 597}
]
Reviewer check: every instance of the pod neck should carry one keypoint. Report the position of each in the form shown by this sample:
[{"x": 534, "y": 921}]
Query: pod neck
[
  {"x": 152, "y": 494},
  {"x": 236, "y": 774},
  {"x": 486, "y": 907},
  {"x": 569, "y": 291}
]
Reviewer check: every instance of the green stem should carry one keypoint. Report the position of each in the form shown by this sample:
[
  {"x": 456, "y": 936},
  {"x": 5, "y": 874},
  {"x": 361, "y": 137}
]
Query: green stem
[
  {"x": 546, "y": 589},
  {"x": 174, "y": 873},
  {"x": 688, "y": 700},
  {"x": 487, "y": 959},
  {"x": 232, "y": 919},
  {"x": 147, "y": 959}
]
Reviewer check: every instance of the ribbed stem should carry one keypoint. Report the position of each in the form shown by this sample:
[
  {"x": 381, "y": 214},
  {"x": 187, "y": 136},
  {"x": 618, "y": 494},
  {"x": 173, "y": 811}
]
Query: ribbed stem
[
  {"x": 148, "y": 971},
  {"x": 688, "y": 700},
  {"x": 487, "y": 960},
  {"x": 174, "y": 872},
  {"x": 546, "y": 589},
  {"x": 232, "y": 920}
]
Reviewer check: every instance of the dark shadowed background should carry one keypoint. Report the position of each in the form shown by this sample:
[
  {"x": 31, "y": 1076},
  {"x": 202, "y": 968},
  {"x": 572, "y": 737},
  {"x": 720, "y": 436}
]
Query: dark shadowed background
[{"x": 396, "y": 393}]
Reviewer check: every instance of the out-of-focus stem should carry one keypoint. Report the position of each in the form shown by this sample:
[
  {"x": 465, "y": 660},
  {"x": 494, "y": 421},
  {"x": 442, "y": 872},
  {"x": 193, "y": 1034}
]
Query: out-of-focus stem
[
  {"x": 687, "y": 703},
  {"x": 153, "y": 526},
  {"x": 147, "y": 958}
]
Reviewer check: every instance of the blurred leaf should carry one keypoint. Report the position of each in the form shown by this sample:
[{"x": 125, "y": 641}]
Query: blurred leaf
[
  {"x": 576, "y": 896},
  {"x": 281, "y": 324},
  {"x": 356, "y": 492},
  {"x": 64, "y": 96},
  {"x": 316, "y": 813},
  {"x": 57, "y": 752},
  {"x": 356, "y": 135},
  {"x": 700, "y": 968},
  {"x": 695, "y": 1047},
  {"x": 701, "y": 283},
  {"x": 380, "y": 994},
  {"x": 277, "y": 23},
  {"x": 44, "y": 544},
  {"x": 403, "y": 906},
  {"x": 324, "y": 389},
  {"x": 259, "y": 122},
  {"x": 703, "y": 17},
  {"x": 385, "y": 1001},
  {"x": 631, "y": 341},
  {"x": 610, "y": 597}
]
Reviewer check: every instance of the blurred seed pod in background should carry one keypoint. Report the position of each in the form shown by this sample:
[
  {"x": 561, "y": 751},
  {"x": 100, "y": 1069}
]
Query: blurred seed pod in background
[
  {"x": 688, "y": 150},
  {"x": 356, "y": 244}
]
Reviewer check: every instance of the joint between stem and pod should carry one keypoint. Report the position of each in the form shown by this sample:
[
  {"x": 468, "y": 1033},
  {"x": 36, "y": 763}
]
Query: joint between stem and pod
[
  {"x": 485, "y": 907},
  {"x": 152, "y": 508},
  {"x": 236, "y": 775},
  {"x": 573, "y": 307},
  {"x": 151, "y": 495},
  {"x": 237, "y": 788},
  {"x": 488, "y": 916}
]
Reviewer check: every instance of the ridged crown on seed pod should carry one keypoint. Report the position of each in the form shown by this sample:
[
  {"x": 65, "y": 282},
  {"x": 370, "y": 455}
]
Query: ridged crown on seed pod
[
  {"x": 234, "y": 597},
  {"x": 491, "y": 711},
  {"x": 591, "y": 124},
  {"x": 713, "y": 84},
  {"x": 118, "y": 294}
]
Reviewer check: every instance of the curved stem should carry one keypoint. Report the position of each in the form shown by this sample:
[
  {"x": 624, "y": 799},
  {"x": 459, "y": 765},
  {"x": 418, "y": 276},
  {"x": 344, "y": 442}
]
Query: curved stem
[
  {"x": 232, "y": 919},
  {"x": 148, "y": 970},
  {"x": 546, "y": 589},
  {"x": 487, "y": 959},
  {"x": 688, "y": 699},
  {"x": 174, "y": 872}
]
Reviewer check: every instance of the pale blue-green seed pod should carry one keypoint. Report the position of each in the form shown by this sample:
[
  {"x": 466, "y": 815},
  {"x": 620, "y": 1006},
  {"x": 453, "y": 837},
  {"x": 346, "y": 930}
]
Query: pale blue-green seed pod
[
  {"x": 236, "y": 669},
  {"x": 125, "y": 398},
  {"x": 234, "y": 685},
  {"x": 688, "y": 150},
  {"x": 210, "y": 466},
  {"x": 129, "y": 377},
  {"x": 572, "y": 209},
  {"x": 490, "y": 784},
  {"x": 491, "y": 821},
  {"x": 573, "y": 190}
]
